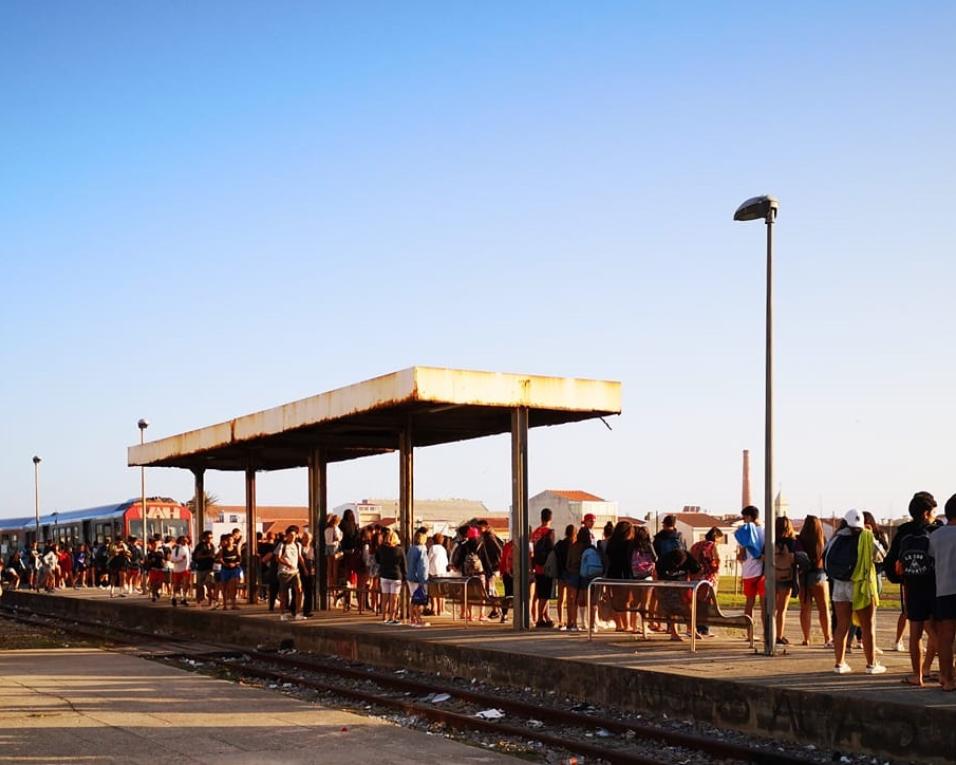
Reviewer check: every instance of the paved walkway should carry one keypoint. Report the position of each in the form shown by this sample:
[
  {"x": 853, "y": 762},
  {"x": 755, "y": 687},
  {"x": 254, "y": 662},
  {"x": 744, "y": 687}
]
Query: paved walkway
[{"x": 89, "y": 706}]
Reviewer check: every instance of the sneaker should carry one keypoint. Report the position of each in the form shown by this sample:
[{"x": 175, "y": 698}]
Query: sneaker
[
  {"x": 562, "y": 628},
  {"x": 875, "y": 669},
  {"x": 299, "y": 618},
  {"x": 828, "y": 644},
  {"x": 842, "y": 669},
  {"x": 285, "y": 617},
  {"x": 900, "y": 648}
]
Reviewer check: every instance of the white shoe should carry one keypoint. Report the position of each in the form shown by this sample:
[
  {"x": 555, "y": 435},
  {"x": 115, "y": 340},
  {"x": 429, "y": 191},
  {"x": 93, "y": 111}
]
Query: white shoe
[
  {"x": 298, "y": 618},
  {"x": 285, "y": 617},
  {"x": 842, "y": 669},
  {"x": 900, "y": 648},
  {"x": 875, "y": 669}
]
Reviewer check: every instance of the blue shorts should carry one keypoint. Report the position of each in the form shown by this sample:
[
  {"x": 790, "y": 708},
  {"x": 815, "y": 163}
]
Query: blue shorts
[{"x": 228, "y": 574}]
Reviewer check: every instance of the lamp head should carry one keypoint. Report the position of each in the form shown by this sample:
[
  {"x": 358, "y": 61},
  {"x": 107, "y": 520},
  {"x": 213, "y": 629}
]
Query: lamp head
[
  {"x": 143, "y": 424},
  {"x": 36, "y": 460},
  {"x": 758, "y": 208}
]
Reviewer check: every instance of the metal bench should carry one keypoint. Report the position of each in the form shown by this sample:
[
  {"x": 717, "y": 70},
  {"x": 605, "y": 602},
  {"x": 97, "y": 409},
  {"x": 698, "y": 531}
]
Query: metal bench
[
  {"x": 690, "y": 602},
  {"x": 468, "y": 591}
]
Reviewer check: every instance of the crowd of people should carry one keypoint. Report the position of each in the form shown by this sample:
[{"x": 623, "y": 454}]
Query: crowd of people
[{"x": 367, "y": 567}]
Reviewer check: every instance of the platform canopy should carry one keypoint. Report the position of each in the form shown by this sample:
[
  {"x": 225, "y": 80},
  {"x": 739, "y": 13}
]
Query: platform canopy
[{"x": 444, "y": 405}]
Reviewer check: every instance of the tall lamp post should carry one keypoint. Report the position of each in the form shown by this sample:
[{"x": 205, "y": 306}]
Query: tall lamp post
[
  {"x": 142, "y": 425},
  {"x": 36, "y": 495},
  {"x": 765, "y": 208}
]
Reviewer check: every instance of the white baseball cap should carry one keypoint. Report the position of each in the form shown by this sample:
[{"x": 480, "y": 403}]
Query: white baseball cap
[{"x": 854, "y": 519}]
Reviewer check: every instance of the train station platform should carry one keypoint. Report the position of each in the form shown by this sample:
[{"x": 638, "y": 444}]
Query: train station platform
[{"x": 794, "y": 696}]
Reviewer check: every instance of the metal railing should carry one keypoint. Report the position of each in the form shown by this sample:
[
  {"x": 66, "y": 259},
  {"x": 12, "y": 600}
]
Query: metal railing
[{"x": 651, "y": 584}]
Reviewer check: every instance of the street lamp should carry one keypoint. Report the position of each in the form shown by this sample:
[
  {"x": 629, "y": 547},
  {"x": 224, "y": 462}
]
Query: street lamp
[
  {"x": 36, "y": 495},
  {"x": 765, "y": 208},
  {"x": 142, "y": 425}
]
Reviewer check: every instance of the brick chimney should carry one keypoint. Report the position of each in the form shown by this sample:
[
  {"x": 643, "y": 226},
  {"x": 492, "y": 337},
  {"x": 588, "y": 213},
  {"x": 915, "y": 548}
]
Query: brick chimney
[{"x": 745, "y": 490}]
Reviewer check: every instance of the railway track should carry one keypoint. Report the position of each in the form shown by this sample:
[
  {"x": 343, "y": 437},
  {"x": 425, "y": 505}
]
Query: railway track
[{"x": 614, "y": 740}]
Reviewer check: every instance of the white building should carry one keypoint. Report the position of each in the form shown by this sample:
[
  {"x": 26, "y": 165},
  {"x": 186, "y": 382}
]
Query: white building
[
  {"x": 694, "y": 527},
  {"x": 569, "y": 506}
]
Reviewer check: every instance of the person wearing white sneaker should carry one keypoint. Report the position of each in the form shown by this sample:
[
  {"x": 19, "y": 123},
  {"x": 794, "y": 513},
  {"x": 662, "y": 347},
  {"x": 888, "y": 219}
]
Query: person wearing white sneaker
[
  {"x": 875, "y": 669},
  {"x": 849, "y": 562}
]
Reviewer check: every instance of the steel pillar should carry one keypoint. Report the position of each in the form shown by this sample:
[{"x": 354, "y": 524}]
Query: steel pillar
[
  {"x": 199, "y": 520},
  {"x": 770, "y": 525},
  {"x": 406, "y": 493},
  {"x": 520, "y": 528},
  {"x": 251, "y": 556},
  {"x": 318, "y": 514}
]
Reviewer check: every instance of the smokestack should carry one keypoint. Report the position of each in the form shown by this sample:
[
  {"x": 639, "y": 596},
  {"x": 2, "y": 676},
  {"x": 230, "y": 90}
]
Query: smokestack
[{"x": 745, "y": 489}]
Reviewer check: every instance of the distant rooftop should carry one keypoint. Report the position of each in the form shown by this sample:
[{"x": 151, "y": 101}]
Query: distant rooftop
[{"x": 576, "y": 495}]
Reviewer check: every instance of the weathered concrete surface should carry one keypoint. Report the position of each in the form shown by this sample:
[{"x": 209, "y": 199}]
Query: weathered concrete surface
[
  {"x": 87, "y": 706},
  {"x": 793, "y": 697}
]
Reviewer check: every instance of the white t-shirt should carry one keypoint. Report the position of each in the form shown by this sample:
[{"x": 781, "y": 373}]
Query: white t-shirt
[
  {"x": 753, "y": 567},
  {"x": 333, "y": 536},
  {"x": 437, "y": 561},
  {"x": 289, "y": 558},
  {"x": 180, "y": 558}
]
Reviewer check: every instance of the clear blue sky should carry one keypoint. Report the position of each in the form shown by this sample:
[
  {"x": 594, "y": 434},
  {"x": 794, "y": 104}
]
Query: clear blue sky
[{"x": 208, "y": 209}]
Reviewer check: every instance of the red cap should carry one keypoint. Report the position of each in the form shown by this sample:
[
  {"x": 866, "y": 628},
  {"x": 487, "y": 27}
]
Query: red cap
[
  {"x": 590, "y": 517},
  {"x": 473, "y": 532}
]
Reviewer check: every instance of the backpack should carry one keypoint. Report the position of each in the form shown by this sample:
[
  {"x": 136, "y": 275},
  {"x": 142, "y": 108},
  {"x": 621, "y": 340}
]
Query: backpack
[
  {"x": 472, "y": 565},
  {"x": 541, "y": 549},
  {"x": 458, "y": 557},
  {"x": 840, "y": 557},
  {"x": 591, "y": 564},
  {"x": 667, "y": 543},
  {"x": 550, "y": 568},
  {"x": 914, "y": 554},
  {"x": 642, "y": 564},
  {"x": 783, "y": 563},
  {"x": 704, "y": 553}
]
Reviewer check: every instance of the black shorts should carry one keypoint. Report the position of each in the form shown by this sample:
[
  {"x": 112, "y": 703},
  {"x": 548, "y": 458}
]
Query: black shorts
[
  {"x": 920, "y": 602},
  {"x": 542, "y": 587},
  {"x": 945, "y": 607}
]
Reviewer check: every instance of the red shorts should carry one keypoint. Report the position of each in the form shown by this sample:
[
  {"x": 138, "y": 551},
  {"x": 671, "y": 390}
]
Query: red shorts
[
  {"x": 180, "y": 579},
  {"x": 156, "y": 576},
  {"x": 754, "y": 586}
]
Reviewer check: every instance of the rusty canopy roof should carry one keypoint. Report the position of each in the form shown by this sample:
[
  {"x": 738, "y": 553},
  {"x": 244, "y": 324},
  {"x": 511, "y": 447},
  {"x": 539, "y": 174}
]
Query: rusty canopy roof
[{"x": 443, "y": 405}]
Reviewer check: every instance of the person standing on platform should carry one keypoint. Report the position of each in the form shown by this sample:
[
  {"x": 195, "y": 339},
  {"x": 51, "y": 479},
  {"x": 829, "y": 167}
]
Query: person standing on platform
[
  {"x": 333, "y": 554},
  {"x": 908, "y": 563},
  {"x": 351, "y": 556},
  {"x": 707, "y": 554},
  {"x": 849, "y": 561},
  {"x": 288, "y": 555},
  {"x": 119, "y": 562},
  {"x": 750, "y": 541},
  {"x": 785, "y": 570},
  {"x": 155, "y": 568},
  {"x": 392, "y": 571},
  {"x": 561, "y": 550},
  {"x": 813, "y": 582},
  {"x": 942, "y": 549},
  {"x": 489, "y": 550},
  {"x": 203, "y": 558},
  {"x": 418, "y": 578},
  {"x": 181, "y": 561},
  {"x": 438, "y": 567},
  {"x": 307, "y": 569},
  {"x": 544, "y": 535},
  {"x": 230, "y": 571}
]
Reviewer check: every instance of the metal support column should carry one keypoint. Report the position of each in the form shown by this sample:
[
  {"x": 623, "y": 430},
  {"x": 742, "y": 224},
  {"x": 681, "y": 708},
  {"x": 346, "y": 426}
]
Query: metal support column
[
  {"x": 520, "y": 528},
  {"x": 251, "y": 557},
  {"x": 406, "y": 493},
  {"x": 199, "y": 519},
  {"x": 770, "y": 629},
  {"x": 318, "y": 515}
]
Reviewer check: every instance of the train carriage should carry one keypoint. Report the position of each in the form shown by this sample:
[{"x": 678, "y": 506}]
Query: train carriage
[{"x": 93, "y": 524}]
